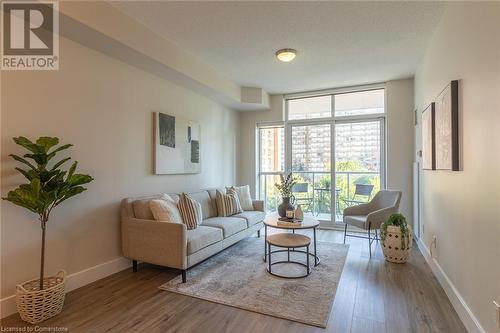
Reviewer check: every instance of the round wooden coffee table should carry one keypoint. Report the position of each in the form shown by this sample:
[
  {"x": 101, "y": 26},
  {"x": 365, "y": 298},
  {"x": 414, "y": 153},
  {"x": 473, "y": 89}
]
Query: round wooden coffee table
[
  {"x": 288, "y": 241},
  {"x": 308, "y": 223}
]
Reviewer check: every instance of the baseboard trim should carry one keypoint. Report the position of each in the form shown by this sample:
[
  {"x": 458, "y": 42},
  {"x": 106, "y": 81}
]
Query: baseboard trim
[
  {"x": 74, "y": 281},
  {"x": 464, "y": 312}
]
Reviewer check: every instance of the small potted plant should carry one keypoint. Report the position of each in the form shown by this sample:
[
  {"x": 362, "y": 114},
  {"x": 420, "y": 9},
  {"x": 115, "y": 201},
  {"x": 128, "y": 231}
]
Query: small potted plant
[
  {"x": 284, "y": 187},
  {"x": 47, "y": 187},
  {"x": 396, "y": 239}
]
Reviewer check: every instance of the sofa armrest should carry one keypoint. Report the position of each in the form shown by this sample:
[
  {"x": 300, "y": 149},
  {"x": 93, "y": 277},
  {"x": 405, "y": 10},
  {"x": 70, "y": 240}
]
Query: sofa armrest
[
  {"x": 160, "y": 243},
  {"x": 258, "y": 205}
]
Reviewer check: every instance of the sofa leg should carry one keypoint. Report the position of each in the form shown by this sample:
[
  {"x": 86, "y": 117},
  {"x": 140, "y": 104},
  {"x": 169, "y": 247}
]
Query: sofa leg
[
  {"x": 258, "y": 233},
  {"x": 134, "y": 265},
  {"x": 184, "y": 276}
]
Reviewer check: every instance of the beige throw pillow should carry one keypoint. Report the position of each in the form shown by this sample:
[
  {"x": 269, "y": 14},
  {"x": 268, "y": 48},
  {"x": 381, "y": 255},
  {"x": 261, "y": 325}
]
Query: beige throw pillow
[
  {"x": 244, "y": 196},
  {"x": 165, "y": 210},
  {"x": 228, "y": 203},
  {"x": 190, "y": 211}
]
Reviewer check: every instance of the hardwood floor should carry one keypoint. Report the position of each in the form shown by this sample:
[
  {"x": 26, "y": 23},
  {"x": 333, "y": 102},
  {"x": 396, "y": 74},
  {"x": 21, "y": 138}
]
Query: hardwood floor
[{"x": 373, "y": 296}]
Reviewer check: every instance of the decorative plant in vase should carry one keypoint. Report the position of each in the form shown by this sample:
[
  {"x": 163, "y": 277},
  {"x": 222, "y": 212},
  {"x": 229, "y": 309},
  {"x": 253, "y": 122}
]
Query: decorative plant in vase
[
  {"x": 47, "y": 187},
  {"x": 396, "y": 238},
  {"x": 285, "y": 187}
]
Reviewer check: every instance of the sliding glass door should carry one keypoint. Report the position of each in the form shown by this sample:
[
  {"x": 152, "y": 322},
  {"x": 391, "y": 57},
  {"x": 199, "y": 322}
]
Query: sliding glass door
[
  {"x": 358, "y": 162},
  {"x": 311, "y": 156}
]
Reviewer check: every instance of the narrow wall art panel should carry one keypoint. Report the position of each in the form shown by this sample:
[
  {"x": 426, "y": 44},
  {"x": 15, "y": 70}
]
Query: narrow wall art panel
[
  {"x": 447, "y": 128},
  {"x": 177, "y": 145},
  {"x": 428, "y": 138}
]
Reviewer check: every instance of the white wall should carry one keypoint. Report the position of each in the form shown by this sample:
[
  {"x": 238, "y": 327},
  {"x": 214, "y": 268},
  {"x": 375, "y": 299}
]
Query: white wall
[
  {"x": 399, "y": 141},
  {"x": 247, "y": 125},
  {"x": 462, "y": 208},
  {"x": 399, "y": 129},
  {"x": 104, "y": 107}
]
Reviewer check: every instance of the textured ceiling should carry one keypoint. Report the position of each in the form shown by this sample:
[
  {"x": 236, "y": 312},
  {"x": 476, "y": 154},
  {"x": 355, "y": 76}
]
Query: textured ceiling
[{"x": 338, "y": 43}]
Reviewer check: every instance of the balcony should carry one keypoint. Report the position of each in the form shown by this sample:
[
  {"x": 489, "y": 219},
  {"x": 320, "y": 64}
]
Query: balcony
[{"x": 314, "y": 191}]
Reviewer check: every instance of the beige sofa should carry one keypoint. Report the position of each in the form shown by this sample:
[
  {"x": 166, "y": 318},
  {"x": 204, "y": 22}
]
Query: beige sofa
[{"x": 171, "y": 244}]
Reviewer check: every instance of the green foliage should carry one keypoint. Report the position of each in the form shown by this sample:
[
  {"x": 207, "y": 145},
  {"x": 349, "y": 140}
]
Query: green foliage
[
  {"x": 286, "y": 184},
  {"x": 397, "y": 220},
  {"x": 47, "y": 187}
]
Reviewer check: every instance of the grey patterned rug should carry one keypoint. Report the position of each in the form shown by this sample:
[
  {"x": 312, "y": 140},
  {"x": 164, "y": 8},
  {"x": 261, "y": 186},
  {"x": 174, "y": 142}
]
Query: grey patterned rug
[{"x": 237, "y": 277}]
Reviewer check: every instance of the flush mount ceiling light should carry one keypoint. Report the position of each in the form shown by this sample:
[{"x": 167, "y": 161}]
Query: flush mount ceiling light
[{"x": 286, "y": 55}]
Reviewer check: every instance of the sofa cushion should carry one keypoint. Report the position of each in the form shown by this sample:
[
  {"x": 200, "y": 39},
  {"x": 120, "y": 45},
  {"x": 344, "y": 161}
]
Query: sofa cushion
[
  {"x": 229, "y": 225},
  {"x": 252, "y": 217},
  {"x": 208, "y": 207},
  {"x": 202, "y": 237}
]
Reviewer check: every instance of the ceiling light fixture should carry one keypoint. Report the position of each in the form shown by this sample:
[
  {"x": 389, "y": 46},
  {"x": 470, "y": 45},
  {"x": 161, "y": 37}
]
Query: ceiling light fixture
[{"x": 286, "y": 55}]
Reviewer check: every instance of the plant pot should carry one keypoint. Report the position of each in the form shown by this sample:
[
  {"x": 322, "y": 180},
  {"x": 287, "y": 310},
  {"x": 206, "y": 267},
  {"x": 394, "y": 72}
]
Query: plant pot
[
  {"x": 394, "y": 250},
  {"x": 35, "y": 305},
  {"x": 285, "y": 205}
]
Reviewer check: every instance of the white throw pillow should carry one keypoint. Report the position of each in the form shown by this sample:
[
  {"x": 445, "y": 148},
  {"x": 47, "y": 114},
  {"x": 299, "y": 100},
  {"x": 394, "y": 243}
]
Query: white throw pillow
[
  {"x": 165, "y": 209},
  {"x": 244, "y": 196}
]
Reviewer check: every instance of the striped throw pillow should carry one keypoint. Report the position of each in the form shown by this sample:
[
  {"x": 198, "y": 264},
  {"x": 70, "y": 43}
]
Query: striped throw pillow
[
  {"x": 190, "y": 211},
  {"x": 228, "y": 203}
]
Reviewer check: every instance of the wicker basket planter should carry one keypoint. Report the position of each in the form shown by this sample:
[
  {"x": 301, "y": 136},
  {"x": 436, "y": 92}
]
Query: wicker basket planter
[
  {"x": 35, "y": 305},
  {"x": 394, "y": 250}
]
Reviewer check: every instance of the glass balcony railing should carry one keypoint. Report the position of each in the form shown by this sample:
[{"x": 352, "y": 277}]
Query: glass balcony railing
[{"x": 316, "y": 195}]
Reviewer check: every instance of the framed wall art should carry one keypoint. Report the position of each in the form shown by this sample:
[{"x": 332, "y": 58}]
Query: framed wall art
[
  {"x": 446, "y": 128},
  {"x": 176, "y": 145}
]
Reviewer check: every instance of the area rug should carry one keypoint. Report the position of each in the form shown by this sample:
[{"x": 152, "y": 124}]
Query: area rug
[{"x": 237, "y": 277}]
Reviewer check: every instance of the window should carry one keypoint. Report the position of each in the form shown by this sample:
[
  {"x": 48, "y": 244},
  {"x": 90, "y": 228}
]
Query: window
[
  {"x": 359, "y": 103},
  {"x": 271, "y": 163},
  {"x": 334, "y": 147},
  {"x": 272, "y": 152},
  {"x": 311, "y": 149},
  {"x": 310, "y": 107}
]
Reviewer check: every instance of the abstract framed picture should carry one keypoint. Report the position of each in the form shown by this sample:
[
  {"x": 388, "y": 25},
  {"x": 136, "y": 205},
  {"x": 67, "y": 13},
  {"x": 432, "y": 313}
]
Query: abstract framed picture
[
  {"x": 428, "y": 138},
  {"x": 176, "y": 145},
  {"x": 446, "y": 129}
]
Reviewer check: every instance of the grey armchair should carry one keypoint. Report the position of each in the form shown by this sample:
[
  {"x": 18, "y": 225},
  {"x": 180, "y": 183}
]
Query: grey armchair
[{"x": 369, "y": 216}]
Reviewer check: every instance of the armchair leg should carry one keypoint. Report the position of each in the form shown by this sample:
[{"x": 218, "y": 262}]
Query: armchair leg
[
  {"x": 369, "y": 240},
  {"x": 345, "y": 232},
  {"x": 258, "y": 233},
  {"x": 134, "y": 265},
  {"x": 184, "y": 275}
]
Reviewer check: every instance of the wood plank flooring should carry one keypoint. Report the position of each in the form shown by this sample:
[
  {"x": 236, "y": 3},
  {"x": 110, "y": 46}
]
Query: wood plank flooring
[{"x": 373, "y": 296}]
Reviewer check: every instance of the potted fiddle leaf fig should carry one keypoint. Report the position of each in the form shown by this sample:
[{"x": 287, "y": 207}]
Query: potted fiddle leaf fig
[
  {"x": 396, "y": 239},
  {"x": 47, "y": 186}
]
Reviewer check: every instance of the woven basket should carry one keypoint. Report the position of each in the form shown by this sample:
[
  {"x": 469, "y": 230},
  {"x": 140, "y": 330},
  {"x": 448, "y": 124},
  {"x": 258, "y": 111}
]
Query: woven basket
[
  {"x": 391, "y": 246},
  {"x": 35, "y": 305}
]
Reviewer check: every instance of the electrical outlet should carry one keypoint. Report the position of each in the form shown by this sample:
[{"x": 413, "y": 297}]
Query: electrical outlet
[{"x": 497, "y": 313}]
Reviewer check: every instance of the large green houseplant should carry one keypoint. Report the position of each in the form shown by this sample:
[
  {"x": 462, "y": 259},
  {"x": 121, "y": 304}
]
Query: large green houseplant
[{"x": 48, "y": 185}]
